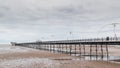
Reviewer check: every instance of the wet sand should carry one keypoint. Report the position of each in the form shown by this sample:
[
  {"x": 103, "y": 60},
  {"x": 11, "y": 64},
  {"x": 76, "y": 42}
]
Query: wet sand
[{"x": 21, "y": 57}]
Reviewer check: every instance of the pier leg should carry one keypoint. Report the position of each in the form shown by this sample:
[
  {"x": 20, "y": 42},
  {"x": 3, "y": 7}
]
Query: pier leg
[
  {"x": 80, "y": 50},
  {"x": 44, "y": 46},
  {"x": 59, "y": 48},
  {"x": 66, "y": 47},
  {"x": 107, "y": 52},
  {"x": 84, "y": 49},
  {"x": 62, "y": 48},
  {"x": 96, "y": 52},
  {"x": 50, "y": 48},
  {"x": 75, "y": 49},
  {"x": 70, "y": 46},
  {"x": 102, "y": 51},
  {"x": 40, "y": 47},
  {"x": 90, "y": 51},
  {"x": 53, "y": 47}
]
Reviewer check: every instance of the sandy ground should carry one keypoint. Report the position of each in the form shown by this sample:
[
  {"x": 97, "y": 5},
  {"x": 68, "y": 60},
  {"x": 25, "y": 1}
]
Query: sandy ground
[{"x": 21, "y": 57}]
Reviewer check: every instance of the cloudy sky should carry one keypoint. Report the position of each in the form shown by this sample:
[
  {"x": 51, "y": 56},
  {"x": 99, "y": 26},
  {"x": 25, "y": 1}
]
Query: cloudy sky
[{"x": 31, "y": 20}]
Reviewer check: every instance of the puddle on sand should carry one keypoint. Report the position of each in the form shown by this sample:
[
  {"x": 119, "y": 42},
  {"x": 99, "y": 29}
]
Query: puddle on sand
[
  {"x": 94, "y": 57},
  {"x": 105, "y": 58}
]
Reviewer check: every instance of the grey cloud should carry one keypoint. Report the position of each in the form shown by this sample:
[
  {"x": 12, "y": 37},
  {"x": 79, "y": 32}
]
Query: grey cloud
[
  {"x": 85, "y": 13},
  {"x": 40, "y": 18},
  {"x": 3, "y": 9}
]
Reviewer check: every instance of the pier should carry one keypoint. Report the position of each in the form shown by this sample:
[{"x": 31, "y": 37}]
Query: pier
[{"x": 92, "y": 49}]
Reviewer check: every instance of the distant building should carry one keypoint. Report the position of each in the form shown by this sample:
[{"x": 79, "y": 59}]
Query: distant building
[{"x": 13, "y": 43}]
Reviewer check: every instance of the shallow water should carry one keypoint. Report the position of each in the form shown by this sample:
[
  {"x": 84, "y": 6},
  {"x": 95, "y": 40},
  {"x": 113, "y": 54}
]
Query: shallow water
[
  {"x": 92, "y": 57},
  {"x": 105, "y": 58}
]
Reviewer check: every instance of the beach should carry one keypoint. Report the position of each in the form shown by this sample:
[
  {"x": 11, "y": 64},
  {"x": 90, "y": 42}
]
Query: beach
[{"x": 22, "y": 57}]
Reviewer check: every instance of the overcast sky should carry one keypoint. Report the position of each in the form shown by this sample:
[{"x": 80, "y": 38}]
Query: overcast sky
[{"x": 31, "y": 20}]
